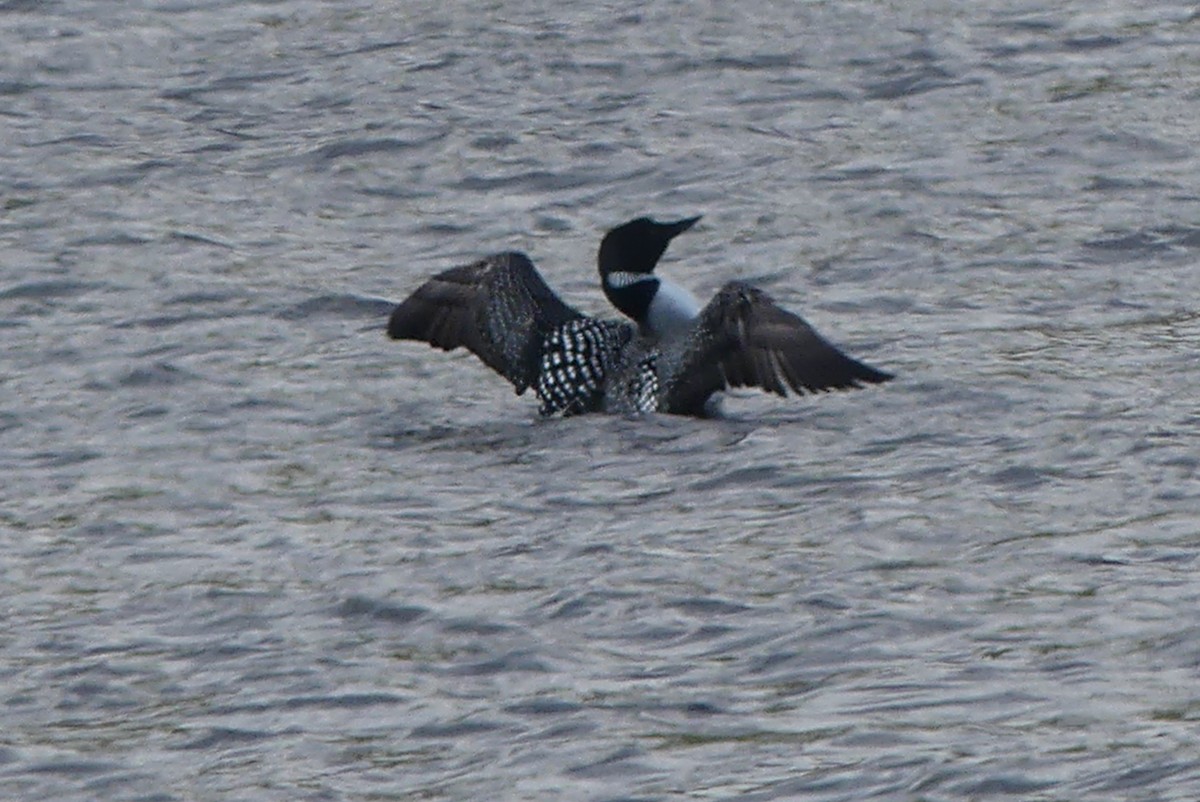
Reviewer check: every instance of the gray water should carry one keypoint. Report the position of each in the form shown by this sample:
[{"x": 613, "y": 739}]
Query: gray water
[{"x": 252, "y": 550}]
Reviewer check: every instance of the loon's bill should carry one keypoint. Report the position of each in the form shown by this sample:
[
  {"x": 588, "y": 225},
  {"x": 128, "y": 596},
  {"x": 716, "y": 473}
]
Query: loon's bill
[{"x": 672, "y": 361}]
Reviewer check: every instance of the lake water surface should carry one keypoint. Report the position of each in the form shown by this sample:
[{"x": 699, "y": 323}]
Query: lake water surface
[{"x": 251, "y": 550}]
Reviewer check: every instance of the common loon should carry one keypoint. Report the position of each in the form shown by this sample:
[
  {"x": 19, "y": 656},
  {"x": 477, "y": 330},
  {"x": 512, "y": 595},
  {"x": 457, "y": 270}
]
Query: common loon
[{"x": 677, "y": 356}]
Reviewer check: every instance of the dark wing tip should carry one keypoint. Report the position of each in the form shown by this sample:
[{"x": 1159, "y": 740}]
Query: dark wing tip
[
  {"x": 866, "y": 373},
  {"x": 408, "y": 319},
  {"x": 440, "y": 310}
]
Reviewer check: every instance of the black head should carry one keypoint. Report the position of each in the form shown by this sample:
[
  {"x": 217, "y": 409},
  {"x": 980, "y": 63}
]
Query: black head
[
  {"x": 630, "y": 251},
  {"x": 636, "y": 246}
]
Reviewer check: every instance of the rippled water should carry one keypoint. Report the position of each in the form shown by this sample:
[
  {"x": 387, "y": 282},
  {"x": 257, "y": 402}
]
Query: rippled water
[{"x": 252, "y": 550}]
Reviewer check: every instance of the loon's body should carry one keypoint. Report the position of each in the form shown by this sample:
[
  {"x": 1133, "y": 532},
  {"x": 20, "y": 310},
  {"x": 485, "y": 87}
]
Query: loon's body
[{"x": 673, "y": 360}]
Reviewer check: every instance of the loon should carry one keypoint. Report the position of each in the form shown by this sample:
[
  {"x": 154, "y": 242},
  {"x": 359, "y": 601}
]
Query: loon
[{"x": 672, "y": 358}]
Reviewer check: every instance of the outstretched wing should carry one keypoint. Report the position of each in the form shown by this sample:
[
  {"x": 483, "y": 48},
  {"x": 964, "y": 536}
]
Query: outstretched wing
[
  {"x": 498, "y": 308},
  {"x": 744, "y": 339}
]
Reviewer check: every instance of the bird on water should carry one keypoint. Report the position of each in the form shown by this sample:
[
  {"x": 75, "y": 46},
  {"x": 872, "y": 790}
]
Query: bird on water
[{"x": 672, "y": 358}]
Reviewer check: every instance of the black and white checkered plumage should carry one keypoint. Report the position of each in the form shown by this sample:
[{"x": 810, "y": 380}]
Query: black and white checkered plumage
[
  {"x": 577, "y": 358},
  {"x": 673, "y": 361},
  {"x": 500, "y": 309}
]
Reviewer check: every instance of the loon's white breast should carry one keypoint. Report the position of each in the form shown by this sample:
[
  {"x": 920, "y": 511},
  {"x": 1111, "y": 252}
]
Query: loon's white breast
[{"x": 672, "y": 311}]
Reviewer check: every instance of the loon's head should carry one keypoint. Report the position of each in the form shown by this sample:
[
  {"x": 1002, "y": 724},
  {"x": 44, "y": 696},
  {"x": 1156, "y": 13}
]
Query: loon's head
[{"x": 628, "y": 256}]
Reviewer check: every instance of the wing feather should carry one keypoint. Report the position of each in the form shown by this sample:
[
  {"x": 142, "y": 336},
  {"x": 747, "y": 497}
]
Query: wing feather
[
  {"x": 498, "y": 308},
  {"x": 744, "y": 339}
]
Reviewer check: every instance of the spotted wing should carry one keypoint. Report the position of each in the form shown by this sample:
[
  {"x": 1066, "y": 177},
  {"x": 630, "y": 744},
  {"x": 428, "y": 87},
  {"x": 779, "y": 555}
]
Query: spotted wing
[
  {"x": 498, "y": 308},
  {"x": 744, "y": 339}
]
